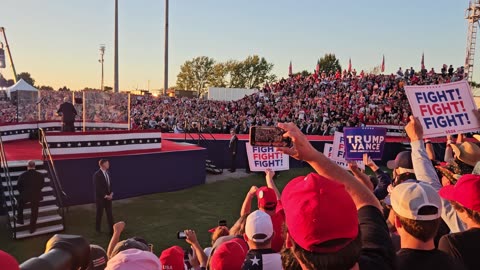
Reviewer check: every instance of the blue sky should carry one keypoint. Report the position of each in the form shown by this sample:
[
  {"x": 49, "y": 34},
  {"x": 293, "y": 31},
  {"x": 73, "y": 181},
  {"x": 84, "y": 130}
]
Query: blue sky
[{"x": 57, "y": 41}]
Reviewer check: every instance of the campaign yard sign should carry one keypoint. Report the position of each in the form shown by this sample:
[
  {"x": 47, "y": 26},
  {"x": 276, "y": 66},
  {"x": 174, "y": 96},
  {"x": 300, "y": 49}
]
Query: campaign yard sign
[
  {"x": 328, "y": 150},
  {"x": 364, "y": 140},
  {"x": 443, "y": 109},
  {"x": 338, "y": 152},
  {"x": 261, "y": 158}
]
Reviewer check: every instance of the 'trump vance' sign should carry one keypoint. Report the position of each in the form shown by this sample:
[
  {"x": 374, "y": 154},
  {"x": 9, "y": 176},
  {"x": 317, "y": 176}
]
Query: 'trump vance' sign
[
  {"x": 444, "y": 108},
  {"x": 359, "y": 141},
  {"x": 336, "y": 152},
  {"x": 261, "y": 158}
]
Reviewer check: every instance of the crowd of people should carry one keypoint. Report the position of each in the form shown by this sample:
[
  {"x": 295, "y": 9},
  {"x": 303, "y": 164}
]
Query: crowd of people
[
  {"x": 319, "y": 104},
  {"x": 425, "y": 215}
]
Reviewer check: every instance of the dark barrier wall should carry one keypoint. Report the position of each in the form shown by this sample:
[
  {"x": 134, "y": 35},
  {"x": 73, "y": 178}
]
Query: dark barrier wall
[
  {"x": 219, "y": 154},
  {"x": 133, "y": 175}
]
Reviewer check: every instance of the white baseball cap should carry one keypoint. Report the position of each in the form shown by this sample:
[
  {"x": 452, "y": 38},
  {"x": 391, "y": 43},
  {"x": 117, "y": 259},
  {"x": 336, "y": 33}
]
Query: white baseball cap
[
  {"x": 409, "y": 198},
  {"x": 259, "y": 226}
]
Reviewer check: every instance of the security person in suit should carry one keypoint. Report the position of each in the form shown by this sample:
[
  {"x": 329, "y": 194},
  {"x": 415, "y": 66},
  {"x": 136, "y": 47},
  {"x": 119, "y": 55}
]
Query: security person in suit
[
  {"x": 232, "y": 146},
  {"x": 103, "y": 194},
  {"x": 68, "y": 113},
  {"x": 30, "y": 184}
]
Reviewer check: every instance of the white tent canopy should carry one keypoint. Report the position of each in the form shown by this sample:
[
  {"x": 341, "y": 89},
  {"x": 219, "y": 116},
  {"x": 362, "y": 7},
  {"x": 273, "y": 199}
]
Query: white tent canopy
[{"x": 20, "y": 86}]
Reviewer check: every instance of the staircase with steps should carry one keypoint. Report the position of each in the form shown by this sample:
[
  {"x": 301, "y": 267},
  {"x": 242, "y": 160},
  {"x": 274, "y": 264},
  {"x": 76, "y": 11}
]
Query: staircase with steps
[{"x": 49, "y": 213}]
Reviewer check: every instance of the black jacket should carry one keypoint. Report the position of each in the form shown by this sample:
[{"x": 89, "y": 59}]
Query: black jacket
[
  {"x": 233, "y": 144},
  {"x": 102, "y": 189},
  {"x": 30, "y": 184},
  {"x": 68, "y": 112}
]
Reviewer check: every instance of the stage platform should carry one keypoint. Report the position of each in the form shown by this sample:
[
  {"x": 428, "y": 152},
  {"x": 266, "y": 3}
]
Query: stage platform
[
  {"x": 174, "y": 166},
  {"x": 24, "y": 150}
]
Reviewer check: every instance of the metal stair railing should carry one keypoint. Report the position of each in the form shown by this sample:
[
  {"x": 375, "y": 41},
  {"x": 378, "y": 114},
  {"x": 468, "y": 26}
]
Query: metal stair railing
[
  {"x": 48, "y": 160},
  {"x": 13, "y": 200},
  {"x": 201, "y": 137}
]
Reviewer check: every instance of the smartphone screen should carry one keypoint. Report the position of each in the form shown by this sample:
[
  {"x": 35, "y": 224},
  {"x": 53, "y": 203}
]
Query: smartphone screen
[
  {"x": 222, "y": 223},
  {"x": 268, "y": 136},
  {"x": 181, "y": 235}
]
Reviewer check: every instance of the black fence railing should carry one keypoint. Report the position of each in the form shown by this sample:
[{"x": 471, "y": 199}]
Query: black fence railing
[
  {"x": 5, "y": 178},
  {"x": 48, "y": 162},
  {"x": 201, "y": 140}
]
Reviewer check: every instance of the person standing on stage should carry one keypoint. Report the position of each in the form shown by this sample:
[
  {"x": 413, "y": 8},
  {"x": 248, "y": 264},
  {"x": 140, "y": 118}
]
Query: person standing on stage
[
  {"x": 30, "y": 184},
  {"x": 103, "y": 194},
  {"x": 233, "y": 149},
  {"x": 68, "y": 113}
]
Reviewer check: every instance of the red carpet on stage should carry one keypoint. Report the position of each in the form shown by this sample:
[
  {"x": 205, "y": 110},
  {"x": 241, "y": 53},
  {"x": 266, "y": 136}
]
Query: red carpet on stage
[
  {"x": 23, "y": 150},
  {"x": 32, "y": 150}
]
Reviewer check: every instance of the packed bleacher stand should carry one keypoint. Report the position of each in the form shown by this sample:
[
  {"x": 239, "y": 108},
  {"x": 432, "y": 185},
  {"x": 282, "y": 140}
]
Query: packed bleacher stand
[{"x": 319, "y": 104}]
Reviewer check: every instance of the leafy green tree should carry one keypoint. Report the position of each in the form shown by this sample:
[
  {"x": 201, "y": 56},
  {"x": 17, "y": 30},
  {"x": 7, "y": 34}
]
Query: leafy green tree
[
  {"x": 64, "y": 89},
  {"x": 45, "y": 88},
  {"x": 218, "y": 78},
  {"x": 26, "y": 77},
  {"x": 256, "y": 71},
  {"x": 4, "y": 82},
  {"x": 304, "y": 73},
  {"x": 235, "y": 74},
  {"x": 329, "y": 63},
  {"x": 195, "y": 74},
  {"x": 250, "y": 73}
]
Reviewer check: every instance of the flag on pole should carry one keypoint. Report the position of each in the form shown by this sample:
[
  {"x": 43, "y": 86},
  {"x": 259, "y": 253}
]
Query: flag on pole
[
  {"x": 349, "y": 65},
  {"x": 290, "y": 69},
  {"x": 423, "y": 62},
  {"x": 383, "y": 64},
  {"x": 317, "y": 69}
]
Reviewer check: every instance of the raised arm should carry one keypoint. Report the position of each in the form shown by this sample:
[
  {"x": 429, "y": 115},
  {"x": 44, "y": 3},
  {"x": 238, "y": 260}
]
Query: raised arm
[
  {"x": 193, "y": 241},
  {"x": 384, "y": 180},
  {"x": 303, "y": 150},
  {"x": 430, "y": 150},
  {"x": 117, "y": 231},
  {"x": 359, "y": 175},
  {"x": 425, "y": 172},
  {"x": 269, "y": 174},
  {"x": 247, "y": 203},
  {"x": 448, "y": 151}
]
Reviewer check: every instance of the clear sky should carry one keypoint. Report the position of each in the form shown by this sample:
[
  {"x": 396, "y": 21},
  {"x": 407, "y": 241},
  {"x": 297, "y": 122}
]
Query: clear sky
[{"x": 57, "y": 41}]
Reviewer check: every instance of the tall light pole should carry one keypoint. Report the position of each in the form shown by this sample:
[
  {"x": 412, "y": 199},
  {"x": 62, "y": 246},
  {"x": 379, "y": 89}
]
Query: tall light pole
[
  {"x": 165, "y": 80},
  {"x": 115, "y": 72},
  {"x": 101, "y": 60}
]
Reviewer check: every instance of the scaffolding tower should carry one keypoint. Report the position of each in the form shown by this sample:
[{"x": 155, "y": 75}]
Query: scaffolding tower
[{"x": 472, "y": 14}]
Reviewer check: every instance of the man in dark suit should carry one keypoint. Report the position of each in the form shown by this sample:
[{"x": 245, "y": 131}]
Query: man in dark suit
[
  {"x": 30, "y": 184},
  {"x": 68, "y": 113},
  {"x": 232, "y": 146},
  {"x": 103, "y": 194}
]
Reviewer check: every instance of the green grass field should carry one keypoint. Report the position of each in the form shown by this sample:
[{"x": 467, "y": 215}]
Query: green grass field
[{"x": 157, "y": 217}]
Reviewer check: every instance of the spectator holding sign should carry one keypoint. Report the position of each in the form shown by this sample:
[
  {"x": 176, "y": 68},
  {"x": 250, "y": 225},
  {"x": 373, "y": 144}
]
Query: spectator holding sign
[
  {"x": 425, "y": 172},
  {"x": 378, "y": 184},
  {"x": 269, "y": 202}
]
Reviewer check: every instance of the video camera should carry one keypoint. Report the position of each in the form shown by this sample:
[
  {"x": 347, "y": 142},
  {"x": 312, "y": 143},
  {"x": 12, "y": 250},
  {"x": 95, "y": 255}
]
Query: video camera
[{"x": 62, "y": 252}]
